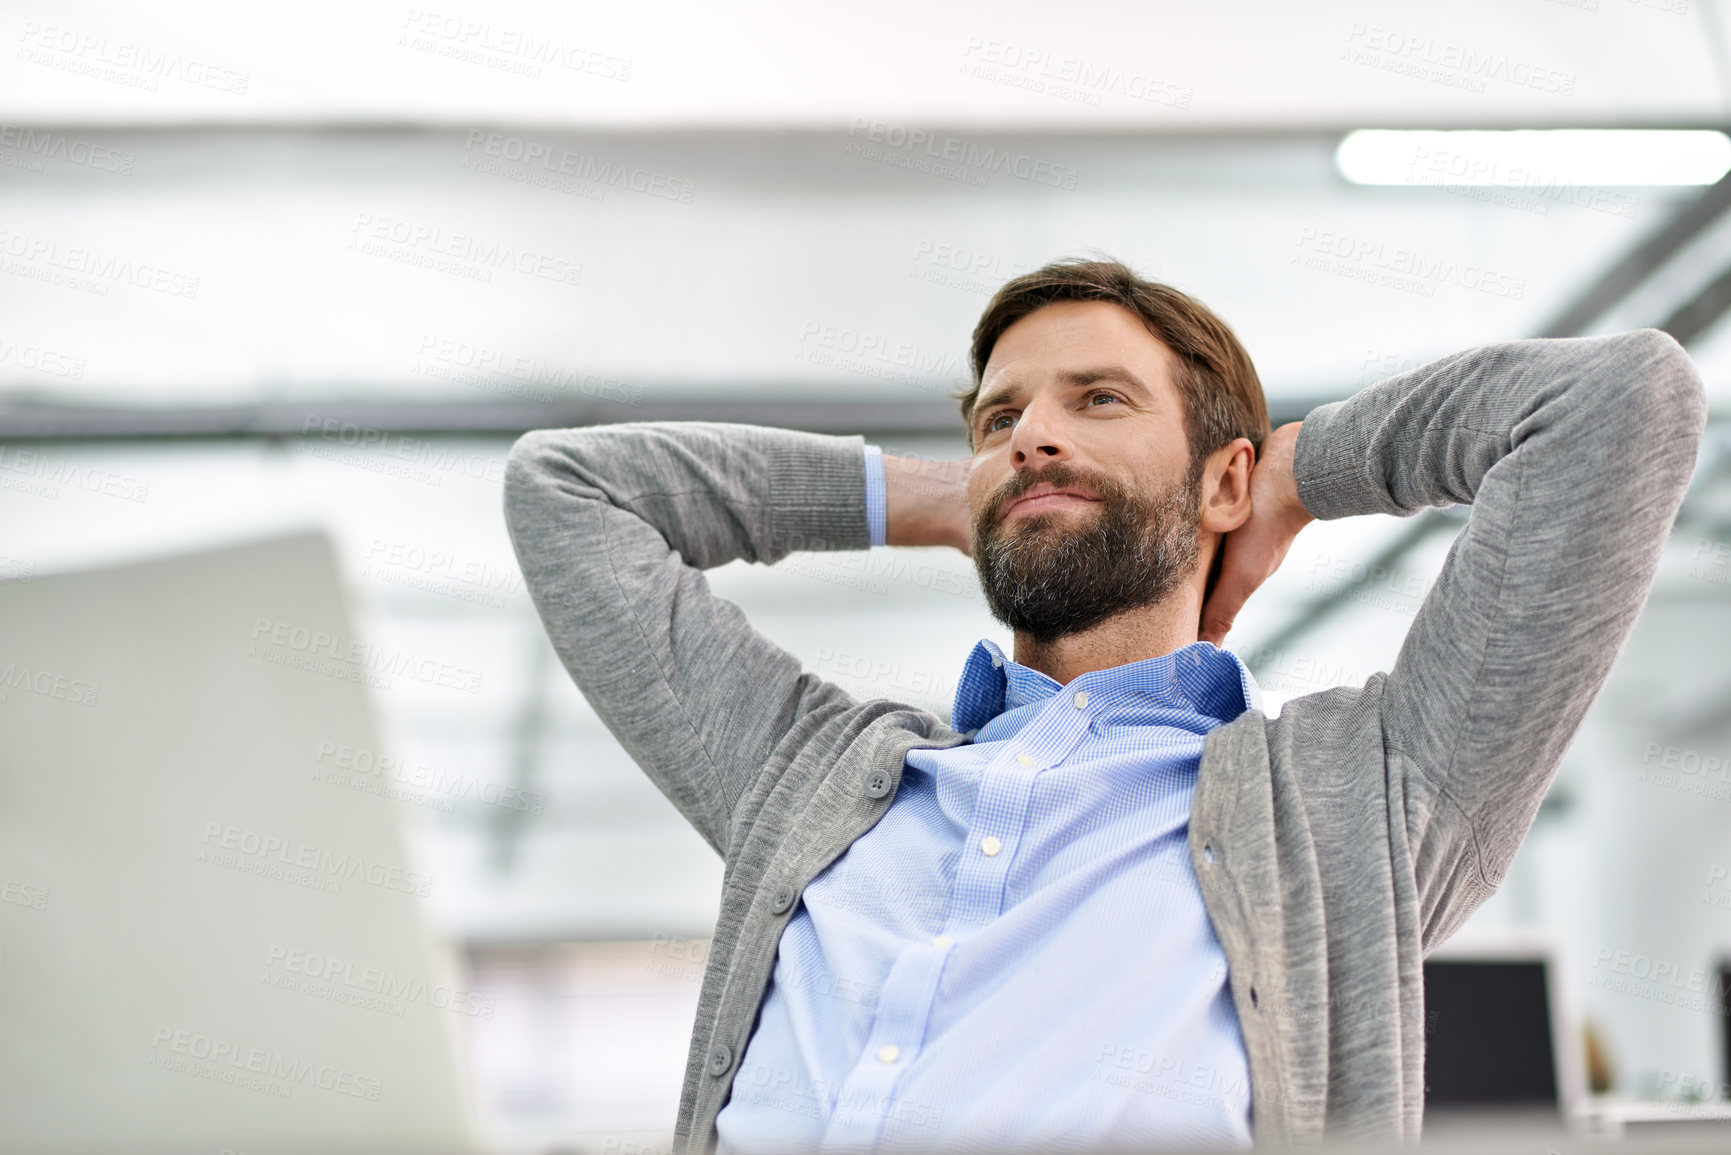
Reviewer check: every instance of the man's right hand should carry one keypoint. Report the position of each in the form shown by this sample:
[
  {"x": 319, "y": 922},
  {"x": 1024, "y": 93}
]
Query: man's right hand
[{"x": 926, "y": 503}]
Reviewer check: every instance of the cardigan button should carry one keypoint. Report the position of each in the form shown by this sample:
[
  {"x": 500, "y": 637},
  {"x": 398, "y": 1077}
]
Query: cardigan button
[
  {"x": 720, "y": 1059},
  {"x": 783, "y": 900},
  {"x": 877, "y": 784}
]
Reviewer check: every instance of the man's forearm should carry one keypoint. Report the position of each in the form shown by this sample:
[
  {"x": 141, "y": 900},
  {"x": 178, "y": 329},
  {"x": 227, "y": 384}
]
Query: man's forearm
[
  {"x": 1428, "y": 437},
  {"x": 927, "y": 502}
]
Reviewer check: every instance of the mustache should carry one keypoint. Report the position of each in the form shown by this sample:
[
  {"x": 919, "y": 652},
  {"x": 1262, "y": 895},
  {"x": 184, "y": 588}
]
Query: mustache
[{"x": 1060, "y": 475}]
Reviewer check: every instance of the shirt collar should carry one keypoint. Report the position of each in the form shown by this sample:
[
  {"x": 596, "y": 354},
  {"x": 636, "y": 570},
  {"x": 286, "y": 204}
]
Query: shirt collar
[{"x": 1200, "y": 676}]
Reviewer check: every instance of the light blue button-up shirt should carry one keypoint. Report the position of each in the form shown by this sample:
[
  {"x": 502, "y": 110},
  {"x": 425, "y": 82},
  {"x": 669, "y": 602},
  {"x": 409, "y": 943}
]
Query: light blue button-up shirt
[{"x": 1017, "y": 954}]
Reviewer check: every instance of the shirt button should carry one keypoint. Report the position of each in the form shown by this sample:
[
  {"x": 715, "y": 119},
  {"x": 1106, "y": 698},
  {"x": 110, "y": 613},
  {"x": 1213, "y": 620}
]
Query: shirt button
[
  {"x": 783, "y": 900},
  {"x": 1081, "y": 699},
  {"x": 941, "y": 941},
  {"x": 997, "y": 661},
  {"x": 889, "y": 1053},
  {"x": 989, "y": 846},
  {"x": 720, "y": 1059},
  {"x": 1024, "y": 759},
  {"x": 877, "y": 784}
]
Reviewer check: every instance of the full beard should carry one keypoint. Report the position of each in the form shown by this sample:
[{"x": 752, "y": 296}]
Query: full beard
[{"x": 1049, "y": 581}]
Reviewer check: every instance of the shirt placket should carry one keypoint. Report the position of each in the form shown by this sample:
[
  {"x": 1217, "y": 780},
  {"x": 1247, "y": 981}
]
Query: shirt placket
[{"x": 904, "y": 1005}]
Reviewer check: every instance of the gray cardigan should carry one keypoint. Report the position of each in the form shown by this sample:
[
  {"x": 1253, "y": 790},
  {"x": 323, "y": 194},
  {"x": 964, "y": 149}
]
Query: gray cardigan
[{"x": 1335, "y": 844}]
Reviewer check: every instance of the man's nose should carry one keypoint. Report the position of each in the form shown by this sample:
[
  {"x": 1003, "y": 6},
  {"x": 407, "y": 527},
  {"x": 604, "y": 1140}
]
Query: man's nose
[{"x": 1038, "y": 437}]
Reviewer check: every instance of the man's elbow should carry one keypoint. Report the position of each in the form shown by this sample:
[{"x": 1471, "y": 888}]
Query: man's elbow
[
  {"x": 1635, "y": 403},
  {"x": 1668, "y": 387},
  {"x": 526, "y": 479},
  {"x": 528, "y": 451},
  {"x": 1643, "y": 412}
]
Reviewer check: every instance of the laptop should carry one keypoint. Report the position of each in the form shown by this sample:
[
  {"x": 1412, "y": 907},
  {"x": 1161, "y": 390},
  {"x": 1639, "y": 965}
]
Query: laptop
[{"x": 210, "y": 939}]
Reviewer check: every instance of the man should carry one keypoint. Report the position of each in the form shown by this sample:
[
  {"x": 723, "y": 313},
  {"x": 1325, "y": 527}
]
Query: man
[{"x": 1110, "y": 901}]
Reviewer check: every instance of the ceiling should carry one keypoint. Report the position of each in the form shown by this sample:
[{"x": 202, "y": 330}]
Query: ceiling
[{"x": 1092, "y": 65}]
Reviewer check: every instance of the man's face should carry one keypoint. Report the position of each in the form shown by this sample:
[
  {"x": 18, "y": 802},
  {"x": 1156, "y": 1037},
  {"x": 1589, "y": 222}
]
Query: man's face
[{"x": 1083, "y": 499}]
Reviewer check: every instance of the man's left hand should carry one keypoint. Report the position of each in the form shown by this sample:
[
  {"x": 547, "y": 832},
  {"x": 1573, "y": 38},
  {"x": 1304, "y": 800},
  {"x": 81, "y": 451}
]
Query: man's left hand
[{"x": 1255, "y": 549}]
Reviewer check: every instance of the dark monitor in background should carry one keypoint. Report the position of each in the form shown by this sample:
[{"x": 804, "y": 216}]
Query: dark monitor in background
[
  {"x": 1490, "y": 1037},
  {"x": 1722, "y": 971}
]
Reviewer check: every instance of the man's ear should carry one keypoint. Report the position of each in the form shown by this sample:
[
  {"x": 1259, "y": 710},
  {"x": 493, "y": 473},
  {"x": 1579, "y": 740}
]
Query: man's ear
[{"x": 1226, "y": 489}]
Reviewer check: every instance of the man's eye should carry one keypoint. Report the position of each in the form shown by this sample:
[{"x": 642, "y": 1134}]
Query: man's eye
[
  {"x": 1109, "y": 396},
  {"x": 992, "y": 425}
]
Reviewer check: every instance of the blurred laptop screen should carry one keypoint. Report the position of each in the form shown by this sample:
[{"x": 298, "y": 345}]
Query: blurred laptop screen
[{"x": 1488, "y": 1034}]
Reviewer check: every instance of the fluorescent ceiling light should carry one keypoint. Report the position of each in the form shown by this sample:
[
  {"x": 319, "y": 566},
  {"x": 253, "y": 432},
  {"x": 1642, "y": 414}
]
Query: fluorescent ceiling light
[{"x": 1522, "y": 158}]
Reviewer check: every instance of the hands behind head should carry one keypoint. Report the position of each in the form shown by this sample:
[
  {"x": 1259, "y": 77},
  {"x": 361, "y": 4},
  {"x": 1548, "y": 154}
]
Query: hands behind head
[{"x": 1255, "y": 549}]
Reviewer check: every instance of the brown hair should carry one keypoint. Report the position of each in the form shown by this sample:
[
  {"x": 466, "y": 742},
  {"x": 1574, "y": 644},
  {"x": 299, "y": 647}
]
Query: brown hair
[{"x": 1221, "y": 393}]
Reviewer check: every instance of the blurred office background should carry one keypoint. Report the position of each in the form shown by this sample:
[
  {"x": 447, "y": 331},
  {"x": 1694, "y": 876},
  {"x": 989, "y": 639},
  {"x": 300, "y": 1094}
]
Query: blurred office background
[{"x": 266, "y": 272}]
